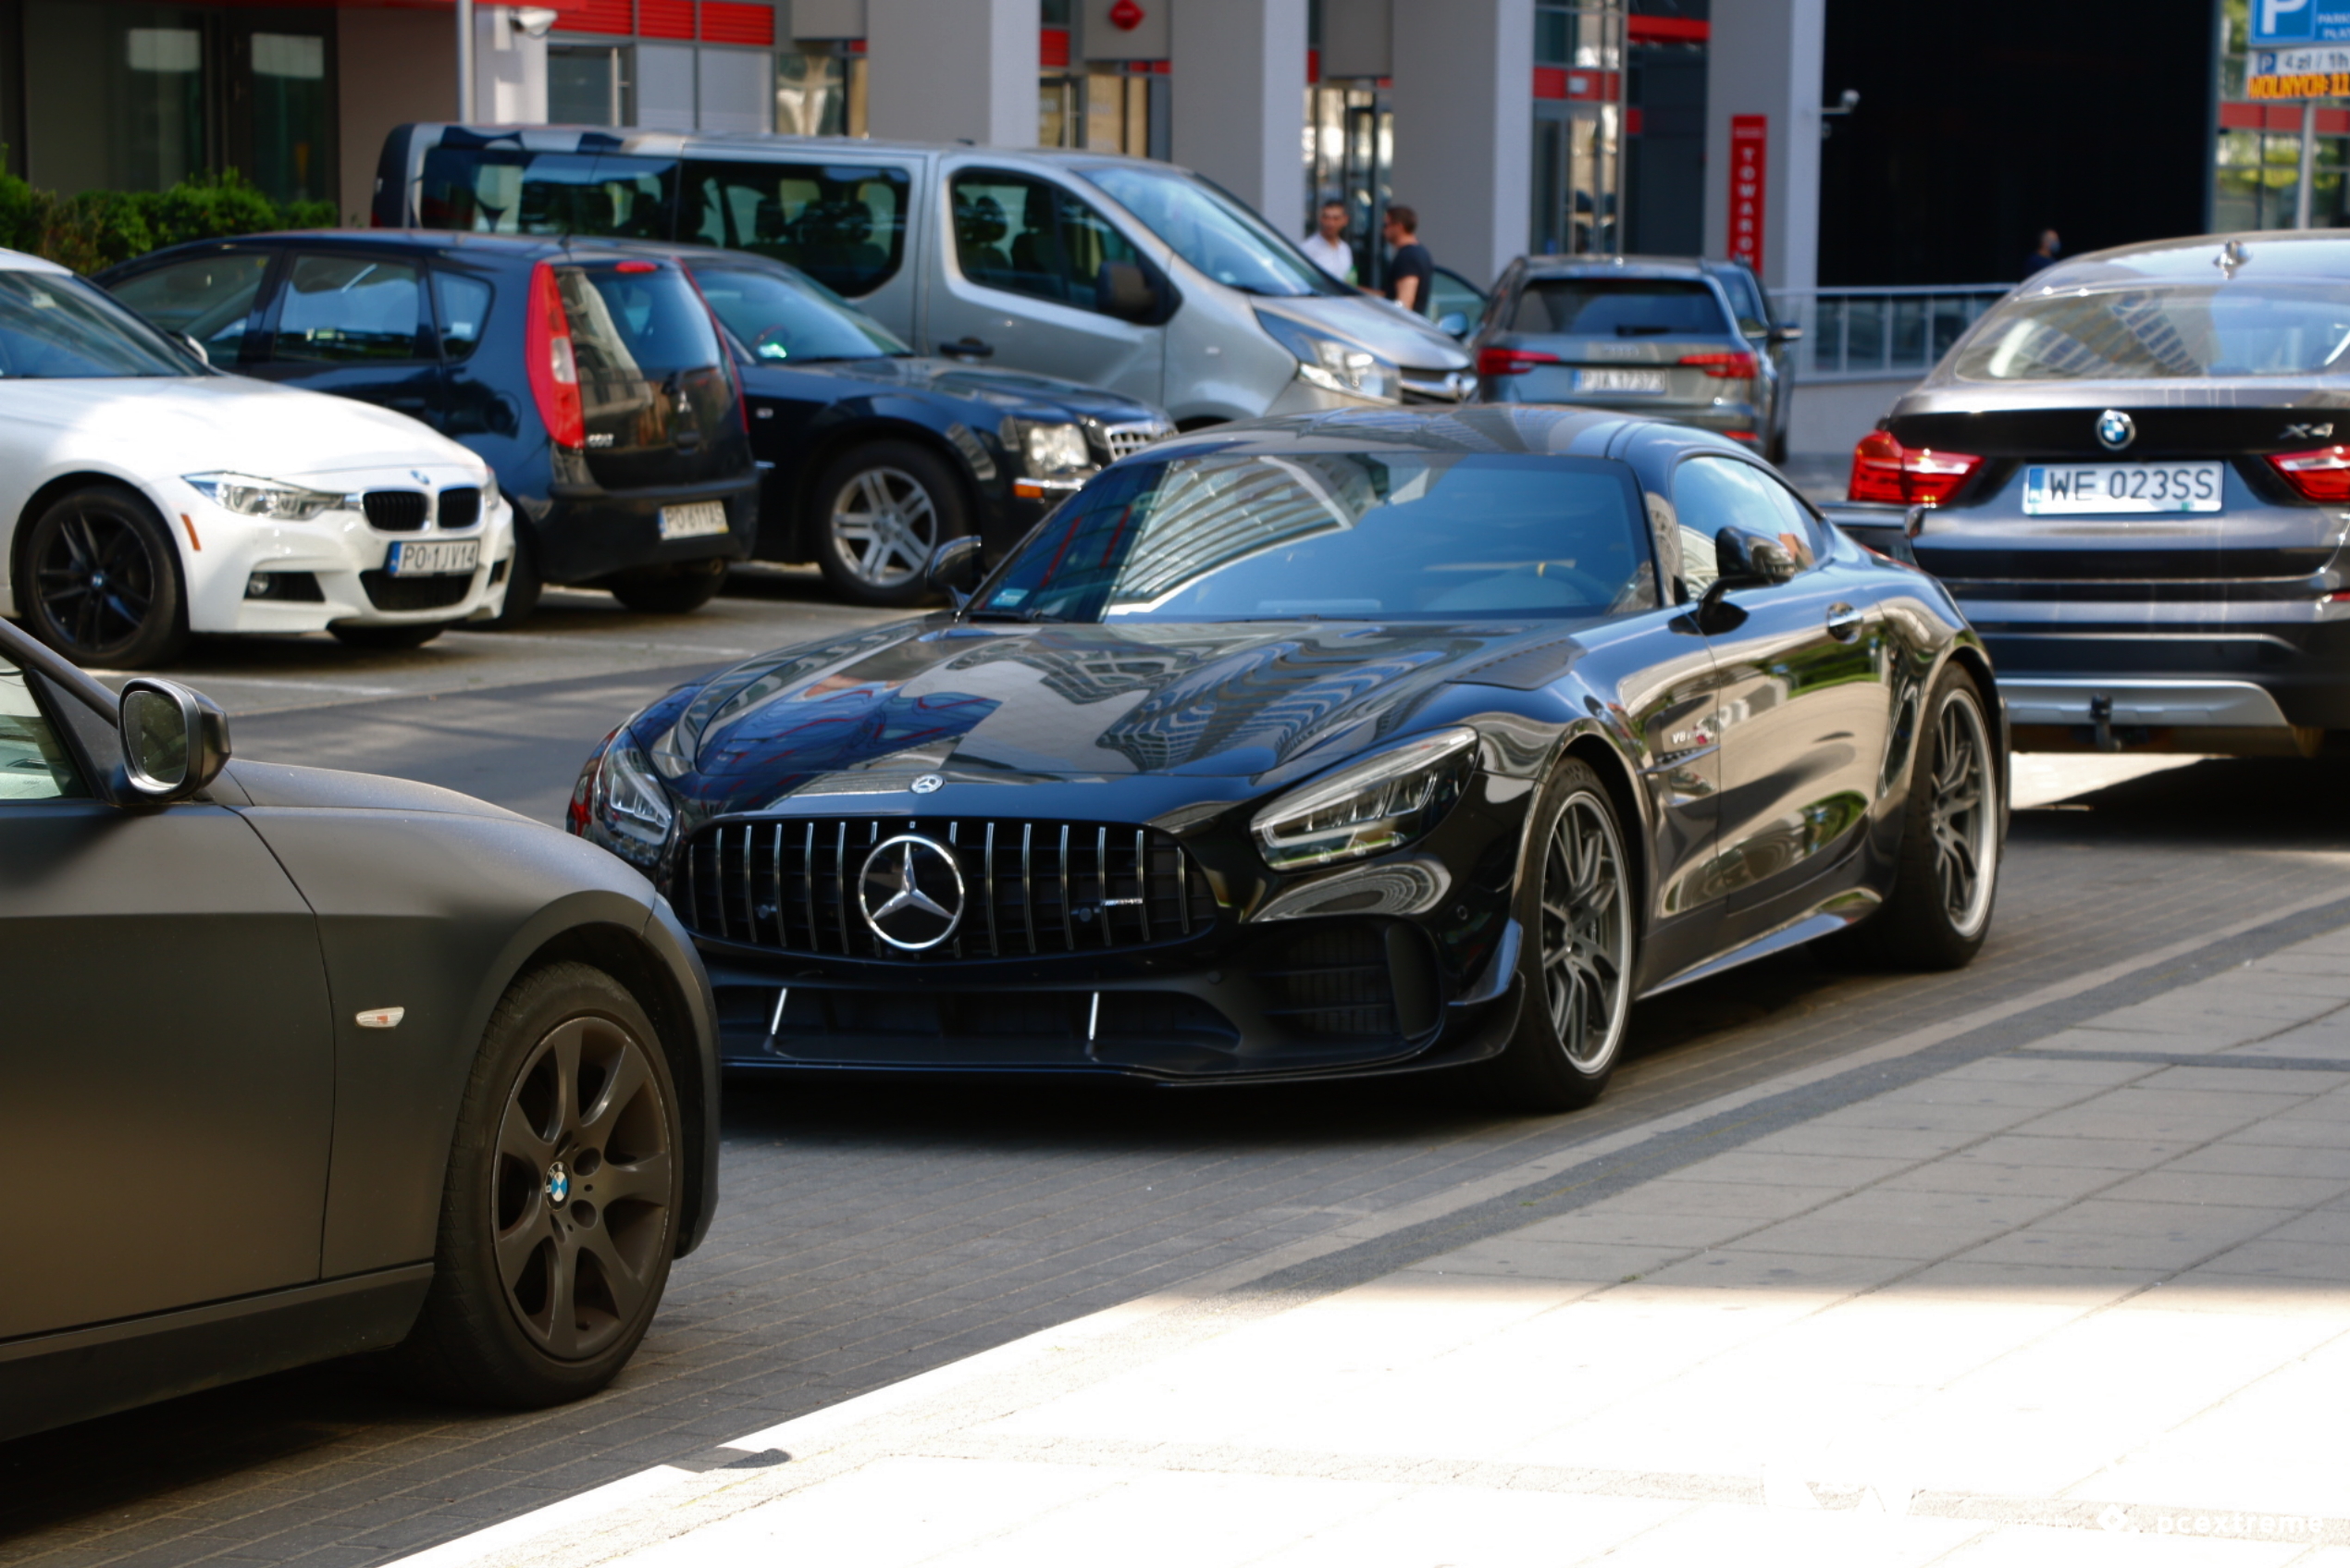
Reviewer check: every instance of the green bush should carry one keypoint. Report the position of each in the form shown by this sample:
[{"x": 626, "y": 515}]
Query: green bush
[{"x": 97, "y": 229}]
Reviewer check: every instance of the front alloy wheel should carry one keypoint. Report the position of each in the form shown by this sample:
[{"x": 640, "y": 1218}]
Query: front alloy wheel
[
  {"x": 883, "y": 508},
  {"x": 105, "y": 581}
]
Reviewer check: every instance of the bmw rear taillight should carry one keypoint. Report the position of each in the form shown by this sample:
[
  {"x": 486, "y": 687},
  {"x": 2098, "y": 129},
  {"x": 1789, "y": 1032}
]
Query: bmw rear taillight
[
  {"x": 1739, "y": 366},
  {"x": 2320, "y": 475},
  {"x": 554, "y": 370},
  {"x": 1884, "y": 470},
  {"x": 1512, "y": 362}
]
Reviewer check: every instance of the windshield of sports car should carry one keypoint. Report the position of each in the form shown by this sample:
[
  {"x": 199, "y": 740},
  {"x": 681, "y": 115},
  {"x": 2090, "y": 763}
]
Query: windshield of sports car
[
  {"x": 1214, "y": 232},
  {"x": 2184, "y": 330},
  {"x": 1336, "y": 536},
  {"x": 55, "y": 329},
  {"x": 786, "y": 320}
]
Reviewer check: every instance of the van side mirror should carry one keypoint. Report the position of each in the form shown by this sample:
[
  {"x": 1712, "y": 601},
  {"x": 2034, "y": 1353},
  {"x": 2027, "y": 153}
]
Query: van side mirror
[
  {"x": 174, "y": 741},
  {"x": 1454, "y": 324},
  {"x": 955, "y": 568},
  {"x": 1124, "y": 291}
]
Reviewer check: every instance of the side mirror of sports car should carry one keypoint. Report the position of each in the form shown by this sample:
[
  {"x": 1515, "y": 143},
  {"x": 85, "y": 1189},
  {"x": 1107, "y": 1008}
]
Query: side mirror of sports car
[
  {"x": 174, "y": 741},
  {"x": 955, "y": 568},
  {"x": 1741, "y": 560}
]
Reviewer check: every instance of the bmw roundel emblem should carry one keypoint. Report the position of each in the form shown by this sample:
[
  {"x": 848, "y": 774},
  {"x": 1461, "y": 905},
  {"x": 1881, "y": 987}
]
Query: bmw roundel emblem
[
  {"x": 558, "y": 1184},
  {"x": 927, "y": 785},
  {"x": 910, "y": 892},
  {"x": 2116, "y": 429}
]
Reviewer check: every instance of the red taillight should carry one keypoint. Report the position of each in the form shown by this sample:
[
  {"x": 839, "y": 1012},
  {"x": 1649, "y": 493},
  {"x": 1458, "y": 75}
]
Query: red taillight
[
  {"x": 2320, "y": 476},
  {"x": 554, "y": 372},
  {"x": 1512, "y": 362},
  {"x": 1883, "y": 469},
  {"x": 1723, "y": 366}
]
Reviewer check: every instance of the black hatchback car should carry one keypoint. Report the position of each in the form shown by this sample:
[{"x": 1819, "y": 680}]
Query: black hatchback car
[
  {"x": 875, "y": 455},
  {"x": 593, "y": 380},
  {"x": 2133, "y": 473}
]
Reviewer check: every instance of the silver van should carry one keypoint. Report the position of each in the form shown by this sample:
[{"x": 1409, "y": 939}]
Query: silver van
[{"x": 1133, "y": 275}]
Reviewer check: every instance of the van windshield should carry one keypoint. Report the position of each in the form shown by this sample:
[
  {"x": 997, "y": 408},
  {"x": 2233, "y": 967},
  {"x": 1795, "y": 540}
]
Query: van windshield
[{"x": 1214, "y": 232}]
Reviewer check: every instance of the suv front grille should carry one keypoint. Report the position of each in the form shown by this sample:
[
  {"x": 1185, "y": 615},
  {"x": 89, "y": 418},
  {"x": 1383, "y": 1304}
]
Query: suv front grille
[
  {"x": 395, "y": 512},
  {"x": 1030, "y": 888},
  {"x": 1125, "y": 440}
]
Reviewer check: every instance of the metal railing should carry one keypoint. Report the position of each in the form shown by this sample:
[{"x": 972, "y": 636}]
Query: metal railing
[{"x": 1879, "y": 334}]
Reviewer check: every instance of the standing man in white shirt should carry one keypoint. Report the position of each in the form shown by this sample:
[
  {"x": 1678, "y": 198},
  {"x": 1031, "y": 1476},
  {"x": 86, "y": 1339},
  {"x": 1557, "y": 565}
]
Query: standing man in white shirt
[{"x": 1327, "y": 248}]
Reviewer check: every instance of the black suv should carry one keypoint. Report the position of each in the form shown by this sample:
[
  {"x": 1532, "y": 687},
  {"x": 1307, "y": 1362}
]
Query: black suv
[{"x": 592, "y": 379}]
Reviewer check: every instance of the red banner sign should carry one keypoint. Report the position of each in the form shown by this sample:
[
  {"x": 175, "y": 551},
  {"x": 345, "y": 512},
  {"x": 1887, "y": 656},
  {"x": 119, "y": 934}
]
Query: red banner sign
[{"x": 1749, "y": 161}]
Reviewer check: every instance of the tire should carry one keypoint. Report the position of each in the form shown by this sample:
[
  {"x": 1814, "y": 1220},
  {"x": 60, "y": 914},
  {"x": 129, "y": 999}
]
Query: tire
[
  {"x": 102, "y": 574},
  {"x": 1946, "y": 873},
  {"x": 541, "y": 1292},
  {"x": 413, "y": 635},
  {"x": 669, "y": 590},
  {"x": 1579, "y": 936},
  {"x": 879, "y": 513},
  {"x": 523, "y": 585}
]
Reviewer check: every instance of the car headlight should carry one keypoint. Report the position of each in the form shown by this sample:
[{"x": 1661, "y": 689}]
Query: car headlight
[
  {"x": 1332, "y": 364},
  {"x": 1055, "y": 448},
  {"x": 489, "y": 493},
  {"x": 273, "y": 499},
  {"x": 1378, "y": 804},
  {"x": 620, "y": 803}
]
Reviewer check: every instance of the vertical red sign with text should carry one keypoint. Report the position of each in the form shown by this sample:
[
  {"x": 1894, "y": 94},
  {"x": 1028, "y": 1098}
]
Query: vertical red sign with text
[{"x": 1750, "y": 160}]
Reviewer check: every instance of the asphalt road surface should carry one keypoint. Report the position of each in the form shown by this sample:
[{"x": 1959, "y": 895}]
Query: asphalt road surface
[{"x": 872, "y": 1230}]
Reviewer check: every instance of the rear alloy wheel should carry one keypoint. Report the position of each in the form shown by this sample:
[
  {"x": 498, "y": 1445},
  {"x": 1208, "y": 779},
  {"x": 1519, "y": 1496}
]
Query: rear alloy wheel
[
  {"x": 880, "y": 511},
  {"x": 1577, "y": 942},
  {"x": 105, "y": 581},
  {"x": 669, "y": 590},
  {"x": 561, "y": 1211},
  {"x": 413, "y": 635},
  {"x": 1946, "y": 874}
]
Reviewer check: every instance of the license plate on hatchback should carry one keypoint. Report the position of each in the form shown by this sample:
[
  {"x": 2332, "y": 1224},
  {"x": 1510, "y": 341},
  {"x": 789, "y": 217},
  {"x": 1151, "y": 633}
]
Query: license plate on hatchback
[
  {"x": 693, "y": 520},
  {"x": 432, "y": 558},
  {"x": 2106, "y": 489},
  {"x": 1648, "y": 381}
]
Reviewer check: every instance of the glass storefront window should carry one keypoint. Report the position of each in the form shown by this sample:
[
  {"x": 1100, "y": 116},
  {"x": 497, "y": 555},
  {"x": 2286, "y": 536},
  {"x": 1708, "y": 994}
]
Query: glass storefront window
[
  {"x": 292, "y": 116},
  {"x": 589, "y": 84},
  {"x": 819, "y": 93}
]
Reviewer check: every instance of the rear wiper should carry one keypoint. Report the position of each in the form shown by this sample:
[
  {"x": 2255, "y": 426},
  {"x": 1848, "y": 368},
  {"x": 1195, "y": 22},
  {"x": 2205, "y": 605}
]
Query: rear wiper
[
  {"x": 1641, "y": 331},
  {"x": 1026, "y": 617}
]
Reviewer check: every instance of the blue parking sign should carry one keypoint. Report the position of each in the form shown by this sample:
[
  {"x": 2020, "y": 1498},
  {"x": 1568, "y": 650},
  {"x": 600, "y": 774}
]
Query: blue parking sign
[{"x": 2300, "y": 21}]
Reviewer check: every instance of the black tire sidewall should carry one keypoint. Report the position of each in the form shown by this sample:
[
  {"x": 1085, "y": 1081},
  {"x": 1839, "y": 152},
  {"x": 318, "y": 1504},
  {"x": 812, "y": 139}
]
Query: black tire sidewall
[
  {"x": 389, "y": 639},
  {"x": 1912, "y": 930},
  {"x": 164, "y": 634},
  {"x": 466, "y": 1342},
  {"x": 935, "y": 478},
  {"x": 524, "y": 588},
  {"x": 669, "y": 590}
]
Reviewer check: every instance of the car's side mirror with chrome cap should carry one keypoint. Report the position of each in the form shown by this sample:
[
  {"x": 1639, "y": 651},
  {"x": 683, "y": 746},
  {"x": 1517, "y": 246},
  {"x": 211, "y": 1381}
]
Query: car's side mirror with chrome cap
[
  {"x": 1742, "y": 559},
  {"x": 174, "y": 741},
  {"x": 955, "y": 568}
]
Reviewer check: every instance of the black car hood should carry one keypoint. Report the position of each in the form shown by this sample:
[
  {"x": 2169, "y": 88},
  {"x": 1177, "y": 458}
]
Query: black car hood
[
  {"x": 1010, "y": 391},
  {"x": 1252, "y": 704}
]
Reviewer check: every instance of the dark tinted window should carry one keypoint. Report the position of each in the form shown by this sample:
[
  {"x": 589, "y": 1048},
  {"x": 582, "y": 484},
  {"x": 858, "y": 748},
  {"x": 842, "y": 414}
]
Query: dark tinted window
[
  {"x": 207, "y": 298},
  {"x": 635, "y": 324},
  {"x": 1030, "y": 237},
  {"x": 783, "y": 320},
  {"x": 1746, "y": 295},
  {"x": 464, "y": 309},
  {"x": 842, "y": 224},
  {"x": 1339, "y": 536},
  {"x": 1619, "y": 307},
  {"x": 2225, "y": 328},
  {"x": 509, "y": 191},
  {"x": 335, "y": 310}
]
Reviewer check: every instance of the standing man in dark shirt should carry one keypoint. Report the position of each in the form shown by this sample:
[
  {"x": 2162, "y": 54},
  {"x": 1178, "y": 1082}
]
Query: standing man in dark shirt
[
  {"x": 2044, "y": 256},
  {"x": 1411, "y": 273}
]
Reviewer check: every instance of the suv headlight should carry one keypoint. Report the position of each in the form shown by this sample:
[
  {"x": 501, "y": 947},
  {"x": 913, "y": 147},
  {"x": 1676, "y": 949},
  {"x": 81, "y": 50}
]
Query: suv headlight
[
  {"x": 1378, "y": 804},
  {"x": 273, "y": 499},
  {"x": 1332, "y": 364},
  {"x": 619, "y": 803},
  {"x": 1055, "y": 448}
]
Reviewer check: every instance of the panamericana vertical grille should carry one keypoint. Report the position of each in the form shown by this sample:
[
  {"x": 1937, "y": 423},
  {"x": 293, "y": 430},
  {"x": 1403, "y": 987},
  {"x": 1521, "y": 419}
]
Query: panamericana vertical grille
[{"x": 1030, "y": 887}]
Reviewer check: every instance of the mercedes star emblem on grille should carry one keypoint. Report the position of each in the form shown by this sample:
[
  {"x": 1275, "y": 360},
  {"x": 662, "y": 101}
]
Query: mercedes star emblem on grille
[
  {"x": 928, "y": 784},
  {"x": 911, "y": 892},
  {"x": 2116, "y": 429}
]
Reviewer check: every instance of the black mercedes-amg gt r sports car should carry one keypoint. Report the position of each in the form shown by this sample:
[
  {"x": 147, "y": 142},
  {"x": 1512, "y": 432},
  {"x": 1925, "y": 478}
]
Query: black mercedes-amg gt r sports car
[{"x": 1346, "y": 744}]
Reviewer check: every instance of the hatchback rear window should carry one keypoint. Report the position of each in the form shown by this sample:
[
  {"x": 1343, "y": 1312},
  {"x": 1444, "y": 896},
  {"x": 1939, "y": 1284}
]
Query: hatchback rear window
[
  {"x": 2195, "y": 330},
  {"x": 636, "y": 323},
  {"x": 1619, "y": 307}
]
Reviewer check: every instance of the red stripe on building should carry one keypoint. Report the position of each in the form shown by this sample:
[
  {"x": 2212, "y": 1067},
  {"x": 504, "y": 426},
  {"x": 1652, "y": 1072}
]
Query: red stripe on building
[
  {"x": 1313, "y": 67},
  {"x": 596, "y": 16},
  {"x": 1667, "y": 29},
  {"x": 1052, "y": 48},
  {"x": 1549, "y": 81},
  {"x": 732, "y": 21},
  {"x": 2280, "y": 117},
  {"x": 664, "y": 18}
]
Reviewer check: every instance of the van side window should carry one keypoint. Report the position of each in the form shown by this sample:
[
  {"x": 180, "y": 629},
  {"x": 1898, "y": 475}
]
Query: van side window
[
  {"x": 842, "y": 224},
  {"x": 514, "y": 191},
  {"x": 1030, "y": 237}
]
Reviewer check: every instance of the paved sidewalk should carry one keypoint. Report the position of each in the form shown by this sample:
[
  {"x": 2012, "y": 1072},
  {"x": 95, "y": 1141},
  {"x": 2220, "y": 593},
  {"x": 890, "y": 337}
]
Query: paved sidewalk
[{"x": 2086, "y": 1300}]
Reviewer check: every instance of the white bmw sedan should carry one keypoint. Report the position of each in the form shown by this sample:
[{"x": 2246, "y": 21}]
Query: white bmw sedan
[{"x": 146, "y": 497}]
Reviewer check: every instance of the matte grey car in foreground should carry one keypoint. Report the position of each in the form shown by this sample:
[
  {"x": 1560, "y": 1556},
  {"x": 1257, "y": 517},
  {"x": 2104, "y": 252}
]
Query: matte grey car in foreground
[
  {"x": 2133, "y": 474},
  {"x": 1689, "y": 340},
  {"x": 1333, "y": 744},
  {"x": 296, "y": 1064}
]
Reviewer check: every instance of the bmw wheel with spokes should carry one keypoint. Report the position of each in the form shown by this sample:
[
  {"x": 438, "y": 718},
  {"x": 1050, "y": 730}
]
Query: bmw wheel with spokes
[
  {"x": 105, "y": 578},
  {"x": 881, "y": 512},
  {"x": 1945, "y": 874},
  {"x": 562, "y": 1207},
  {"x": 1577, "y": 937}
]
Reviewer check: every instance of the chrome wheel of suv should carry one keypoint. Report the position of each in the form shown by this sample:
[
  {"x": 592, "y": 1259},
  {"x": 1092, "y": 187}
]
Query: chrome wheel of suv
[{"x": 880, "y": 511}]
